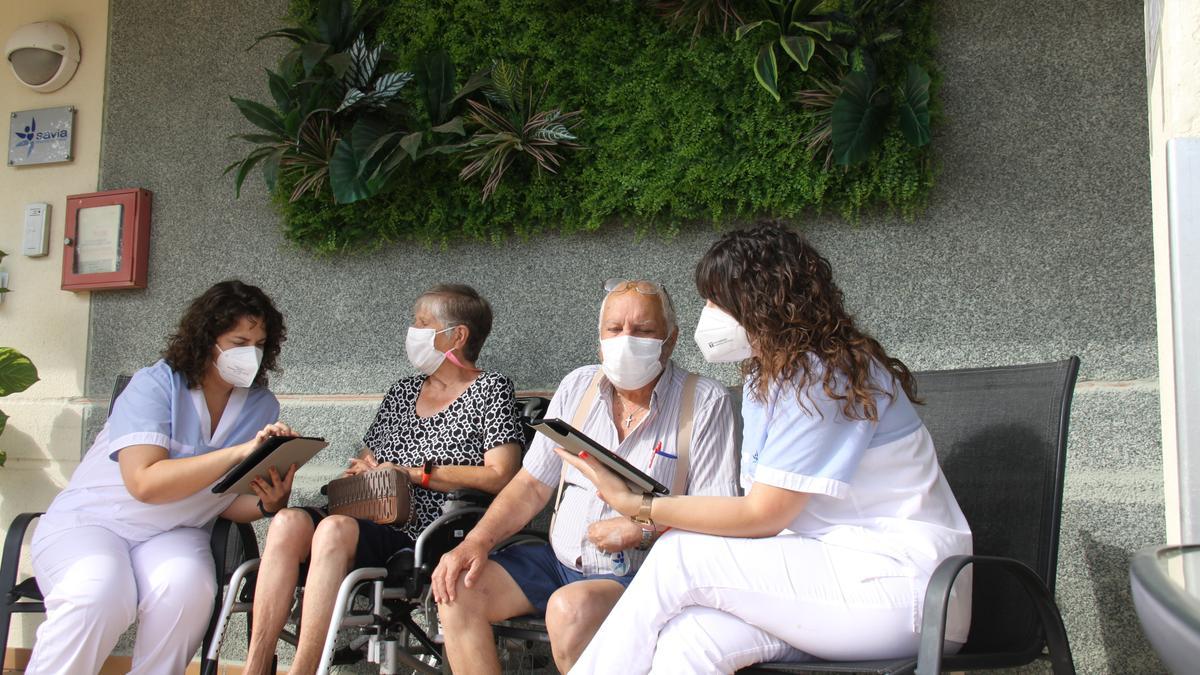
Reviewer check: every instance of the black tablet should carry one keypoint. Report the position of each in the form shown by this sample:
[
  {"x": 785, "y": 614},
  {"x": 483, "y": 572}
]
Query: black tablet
[
  {"x": 280, "y": 452},
  {"x": 574, "y": 441}
]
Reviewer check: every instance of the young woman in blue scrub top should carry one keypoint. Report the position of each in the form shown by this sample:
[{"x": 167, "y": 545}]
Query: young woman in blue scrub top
[
  {"x": 846, "y": 512},
  {"x": 128, "y": 538}
]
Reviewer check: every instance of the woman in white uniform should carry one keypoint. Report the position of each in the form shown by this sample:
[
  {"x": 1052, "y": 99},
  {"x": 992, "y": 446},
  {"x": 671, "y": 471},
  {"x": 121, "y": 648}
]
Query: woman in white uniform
[
  {"x": 846, "y": 512},
  {"x": 128, "y": 538}
]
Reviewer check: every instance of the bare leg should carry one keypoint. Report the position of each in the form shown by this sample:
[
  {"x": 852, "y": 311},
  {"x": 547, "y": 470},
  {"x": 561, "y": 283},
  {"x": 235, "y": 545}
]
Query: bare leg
[
  {"x": 288, "y": 542},
  {"x": 333, "y": 547},
  {"x": 467, "y": 622},
  {"x": 575, "y": 613}
]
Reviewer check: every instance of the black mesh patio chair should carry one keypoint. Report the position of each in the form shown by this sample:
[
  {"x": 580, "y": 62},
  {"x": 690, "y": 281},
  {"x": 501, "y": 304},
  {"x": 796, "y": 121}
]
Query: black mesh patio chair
[
  {"x": 231, "y": 544},
  {"x": 1001, "y": 437}
]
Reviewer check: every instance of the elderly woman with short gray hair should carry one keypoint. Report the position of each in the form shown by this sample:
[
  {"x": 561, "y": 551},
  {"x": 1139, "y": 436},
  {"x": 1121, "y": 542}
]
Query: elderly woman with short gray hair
[{"x": 452, "y": 426}]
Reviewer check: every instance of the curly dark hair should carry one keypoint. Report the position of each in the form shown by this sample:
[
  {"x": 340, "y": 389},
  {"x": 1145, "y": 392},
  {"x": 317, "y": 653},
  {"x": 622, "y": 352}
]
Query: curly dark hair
[
  {"x": 189, "y": 349},
  {"x": 781, "y": 291}
]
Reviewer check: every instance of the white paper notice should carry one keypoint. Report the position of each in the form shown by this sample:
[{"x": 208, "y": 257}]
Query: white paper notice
[{"x": 98, "y": 239}]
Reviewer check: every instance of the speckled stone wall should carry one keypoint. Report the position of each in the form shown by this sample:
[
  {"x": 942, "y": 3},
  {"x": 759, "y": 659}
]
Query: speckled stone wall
[{"x": 1037, "y": 245}]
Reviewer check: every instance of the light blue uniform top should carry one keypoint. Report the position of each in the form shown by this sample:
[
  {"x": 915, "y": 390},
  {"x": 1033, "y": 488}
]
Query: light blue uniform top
[
  {"x": 808, "y": 444},
  {"x": 156, "y": 408}
]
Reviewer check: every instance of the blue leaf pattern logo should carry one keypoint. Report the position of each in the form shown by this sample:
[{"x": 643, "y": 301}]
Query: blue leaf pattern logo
[{"x": 27, "y": 138}]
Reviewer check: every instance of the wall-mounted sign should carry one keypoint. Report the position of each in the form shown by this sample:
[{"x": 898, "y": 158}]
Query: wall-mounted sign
[
  {"x": 41, "y": 136},
  {"x": 108, "y": 240}
]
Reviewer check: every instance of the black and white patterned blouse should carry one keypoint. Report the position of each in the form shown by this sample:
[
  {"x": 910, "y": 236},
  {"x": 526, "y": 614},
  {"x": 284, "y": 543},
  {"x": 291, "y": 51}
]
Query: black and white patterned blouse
[{"x": 481, "y": 418}]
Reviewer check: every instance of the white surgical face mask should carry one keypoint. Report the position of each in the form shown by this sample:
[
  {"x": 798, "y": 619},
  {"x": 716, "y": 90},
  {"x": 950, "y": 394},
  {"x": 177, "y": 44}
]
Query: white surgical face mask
[
  {"x": 631, "y": 362},
  {"x": 239, "y": 366},
  {"x": 418, "y": 345},
  {"x": 720, "y": 337}
]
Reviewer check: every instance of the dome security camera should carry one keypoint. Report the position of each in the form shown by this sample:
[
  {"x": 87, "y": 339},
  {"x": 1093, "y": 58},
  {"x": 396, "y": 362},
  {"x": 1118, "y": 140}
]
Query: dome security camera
[{"x": 43, "y": 55}]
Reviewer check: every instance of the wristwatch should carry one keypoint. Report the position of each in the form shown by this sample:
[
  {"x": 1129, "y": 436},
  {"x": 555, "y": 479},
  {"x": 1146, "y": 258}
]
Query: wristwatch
[
  {"x": 643, "y": 515},
  {"x": 647, "y": 540},
  {"x": 427, "y": 473},
  {"x": 263, "y": 510}
]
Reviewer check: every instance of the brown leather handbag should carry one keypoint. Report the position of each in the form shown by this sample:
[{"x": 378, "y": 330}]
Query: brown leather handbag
[{"x": 380, "y": 495}]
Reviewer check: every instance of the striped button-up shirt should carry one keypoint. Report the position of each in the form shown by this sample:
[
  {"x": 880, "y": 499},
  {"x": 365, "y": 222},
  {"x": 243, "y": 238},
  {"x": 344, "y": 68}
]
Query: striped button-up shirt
[{"x": 712, "y": 469}]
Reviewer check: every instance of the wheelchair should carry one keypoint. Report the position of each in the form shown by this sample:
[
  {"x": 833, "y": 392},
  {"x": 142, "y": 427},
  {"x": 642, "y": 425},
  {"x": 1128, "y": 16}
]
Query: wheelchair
[{"x": 392, "y": 606}]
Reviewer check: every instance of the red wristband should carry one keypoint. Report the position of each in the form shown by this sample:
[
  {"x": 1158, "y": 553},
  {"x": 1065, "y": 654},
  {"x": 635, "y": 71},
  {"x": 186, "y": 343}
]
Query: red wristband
[{"x": 427, "y": 473}]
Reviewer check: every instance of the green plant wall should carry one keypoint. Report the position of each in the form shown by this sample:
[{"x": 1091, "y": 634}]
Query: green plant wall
[{"x": 676, "y": 131}]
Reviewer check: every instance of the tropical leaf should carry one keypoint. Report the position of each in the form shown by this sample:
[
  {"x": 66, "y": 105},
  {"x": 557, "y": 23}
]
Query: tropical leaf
[
  {"x": 298, "y": 35},
  {"x": 17, "y": 372},
  {"x": 340, "y": 63},
  {"x": 914, "y": 106},
  {"x": 411, "y": 144},
  {"x": 837, "y": 51},
  {"x": 352, "y": 96},
  {"x": 335, "y": 21},
  {"x": 554, "y": 132},
  {"x": 858, "y": 119},
  {"x": 800, "y": 48},
  {"x": 388, "y": 86},
  {"x": 311, "y": 54},
  {"x": 364, "y": 60},
  {"x": 436, "y": 77},
  {"x": 245, "y": 166},
  {"x": 478, "y": 80},
  {"x": 822, "y": 28},
  {"x": 767, "y": 70},
  {"x": 507, "y": 82},
  {"x": 350, "y": 164},
  {"x": 280, "y": 90},
  {"x": 746, "y": 28},
  {"x": 260, "y": 115},
  {"x": 454, "y": 126}
]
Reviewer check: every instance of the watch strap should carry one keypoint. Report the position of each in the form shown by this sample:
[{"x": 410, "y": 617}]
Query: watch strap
[
  {"x": 643, "y": 515},
  {"x": 263, "y": 510}
]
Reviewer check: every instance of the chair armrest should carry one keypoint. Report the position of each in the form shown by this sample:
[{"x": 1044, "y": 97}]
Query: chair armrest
[
  {"x": 12, "y": 549},
  {"x": 219, "y": 542},
  {"x": 469, "y": 497},
  {"x": 937, "y": 599}
]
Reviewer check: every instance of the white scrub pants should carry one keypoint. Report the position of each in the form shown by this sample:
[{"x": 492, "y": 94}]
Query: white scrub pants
[
  {"x": 705, "y": 604},
  {"x": 96, "y": 583}
]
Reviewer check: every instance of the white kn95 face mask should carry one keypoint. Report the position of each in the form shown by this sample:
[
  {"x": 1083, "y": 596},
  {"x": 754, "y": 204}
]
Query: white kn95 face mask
[
  {"x": 239, "y": 366},
  {"x": 631, "y": 362},
  {"x": 720, "y": 337}
]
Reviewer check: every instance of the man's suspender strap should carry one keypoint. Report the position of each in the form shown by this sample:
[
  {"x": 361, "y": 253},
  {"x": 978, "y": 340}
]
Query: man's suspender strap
[
  {"x": 581, "y": 412},
  {"x": 683, "y": 435}
]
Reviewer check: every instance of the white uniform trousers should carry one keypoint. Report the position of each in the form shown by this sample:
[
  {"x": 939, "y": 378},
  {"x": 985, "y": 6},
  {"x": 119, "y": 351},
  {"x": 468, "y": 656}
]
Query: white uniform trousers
[
  {"x": 705, "y": 604},
  {"x": 96, "y": 583}
]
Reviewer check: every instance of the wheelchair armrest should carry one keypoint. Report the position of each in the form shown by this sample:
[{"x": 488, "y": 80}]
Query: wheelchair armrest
[
  {"x": 219, "y": 543},
  {"x": 468, "y": 497},
  {"x": 937, "y": 600},
  {"x": 12, "y": 549}
]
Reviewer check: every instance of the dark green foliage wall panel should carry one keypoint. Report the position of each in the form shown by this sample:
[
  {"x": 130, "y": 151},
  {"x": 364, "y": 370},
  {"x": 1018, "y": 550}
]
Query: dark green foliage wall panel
[{"x": 676, "y": 131}]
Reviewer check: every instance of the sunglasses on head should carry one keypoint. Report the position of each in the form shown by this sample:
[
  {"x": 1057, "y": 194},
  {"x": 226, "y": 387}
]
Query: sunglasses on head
[{"x": 622, "y": 285}]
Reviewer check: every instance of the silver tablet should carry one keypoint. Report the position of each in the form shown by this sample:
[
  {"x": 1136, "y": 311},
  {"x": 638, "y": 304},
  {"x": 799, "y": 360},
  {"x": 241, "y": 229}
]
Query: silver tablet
[{"x": 280, "y": 452}]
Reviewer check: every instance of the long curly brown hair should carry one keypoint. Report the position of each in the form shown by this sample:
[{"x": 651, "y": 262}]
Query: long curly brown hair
[
  {"x": 189, "y": 349},
  {"x": 781, "y": 291}
]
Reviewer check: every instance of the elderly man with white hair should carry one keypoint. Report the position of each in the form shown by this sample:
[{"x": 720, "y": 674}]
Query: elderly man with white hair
[{"x": 674, "y": 425}]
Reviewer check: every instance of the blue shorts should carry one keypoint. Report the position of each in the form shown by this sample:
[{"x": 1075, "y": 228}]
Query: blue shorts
[{"x": 539, "y": 573}]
